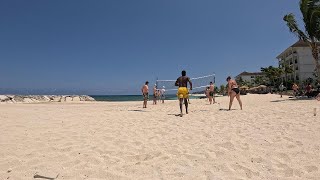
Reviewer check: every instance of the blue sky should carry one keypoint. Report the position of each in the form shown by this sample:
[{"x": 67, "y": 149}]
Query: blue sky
[{"x": 113, "y": 47}]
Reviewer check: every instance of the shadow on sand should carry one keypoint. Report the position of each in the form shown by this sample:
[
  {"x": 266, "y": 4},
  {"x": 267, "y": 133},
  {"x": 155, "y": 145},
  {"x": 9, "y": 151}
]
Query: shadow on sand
[
  {"x": 138, "y": 110},
  {"x": 174, "y": 114},
  {"x": 282, "y": 100},
  {"x": 223, "y": 109},
  {"x": 299, "y": 98},
  {"x": 201, "y": 110},
  {"x": 44, "y": 177}
]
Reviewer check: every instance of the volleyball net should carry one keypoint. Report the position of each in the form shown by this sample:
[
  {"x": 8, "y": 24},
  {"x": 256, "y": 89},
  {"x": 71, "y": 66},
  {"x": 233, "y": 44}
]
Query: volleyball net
[{"x": 198, "y": 84}]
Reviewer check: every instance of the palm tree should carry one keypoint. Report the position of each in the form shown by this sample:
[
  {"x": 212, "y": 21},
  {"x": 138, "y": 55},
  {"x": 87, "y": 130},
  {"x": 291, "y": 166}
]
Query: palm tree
[
  {"x": 267, "y": 72},
  {"x": 277, "y": 73},
  {"x": 240, "y": 81},
  {"x": 222, "y": 89},
  {"x": 287, "y": 70},
  {"x": 272, "y": 73},
  {"x": 310, "y": 10},
  {"x": 258, "y": 80}
]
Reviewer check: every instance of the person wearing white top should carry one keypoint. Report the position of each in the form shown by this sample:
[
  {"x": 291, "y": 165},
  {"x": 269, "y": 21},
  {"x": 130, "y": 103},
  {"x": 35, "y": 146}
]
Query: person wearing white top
[
  {"x": 281, "y": 88},
  {"x": 163, "y": 91}
]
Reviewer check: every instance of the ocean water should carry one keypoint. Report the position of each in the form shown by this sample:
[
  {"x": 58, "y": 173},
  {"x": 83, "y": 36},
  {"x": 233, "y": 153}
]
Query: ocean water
[{"x": 131, "y": 97}]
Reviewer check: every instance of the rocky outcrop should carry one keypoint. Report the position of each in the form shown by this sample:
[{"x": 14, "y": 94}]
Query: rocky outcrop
[
  {"x": 4, "y": 98},
  {"x": 43, "y": 98},
  {"x": 258, "y": 90}
]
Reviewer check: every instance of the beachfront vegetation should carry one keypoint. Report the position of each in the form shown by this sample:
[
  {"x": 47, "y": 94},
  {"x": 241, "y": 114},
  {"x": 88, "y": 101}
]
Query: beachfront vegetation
[
  {"x": 286, "y": 69},
  {"x": 260, "y": 80},
  {"x": 241, "y": 82},
  {"x": 310, "y": 10},
  {"x": 247, "y": 83},
  {"x": 272, "y": 73},
  {"x": 216, "y": 89},
  {"x": 222, "y": 89}
]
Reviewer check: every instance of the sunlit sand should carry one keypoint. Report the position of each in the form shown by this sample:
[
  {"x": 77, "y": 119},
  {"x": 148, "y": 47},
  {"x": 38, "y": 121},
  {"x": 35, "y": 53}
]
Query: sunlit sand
[{"x": 272, "y": 138}]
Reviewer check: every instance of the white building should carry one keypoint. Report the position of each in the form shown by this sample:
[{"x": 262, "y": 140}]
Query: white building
[
  {"x": 249, "y": 76},
  {"x": 299, "y": 58}
]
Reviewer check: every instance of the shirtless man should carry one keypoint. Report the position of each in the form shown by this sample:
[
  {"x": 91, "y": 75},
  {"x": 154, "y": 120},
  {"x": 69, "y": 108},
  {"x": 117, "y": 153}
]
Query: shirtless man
[
  {"x": 295, "y": 88},
  {"x": 233, "y": 91},
  {"x": 155, "y": 93},
  {"x": 183, "y": 92},
  {"x": 145, "y": 94},
  {"x": 309, "y": 90},
  {"x": 211, "y": 93},
  {"x": 207, "y": 93}
]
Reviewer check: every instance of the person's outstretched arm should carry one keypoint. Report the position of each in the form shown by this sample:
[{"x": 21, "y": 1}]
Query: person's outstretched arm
[{"x": 190, "y": 83}]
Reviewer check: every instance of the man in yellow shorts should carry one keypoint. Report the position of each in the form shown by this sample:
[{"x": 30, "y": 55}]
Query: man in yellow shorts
[{"x": 183, "y": 92}]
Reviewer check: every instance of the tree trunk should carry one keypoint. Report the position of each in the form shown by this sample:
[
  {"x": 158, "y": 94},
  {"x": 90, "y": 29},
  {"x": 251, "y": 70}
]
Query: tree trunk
[
  {"x": 286, "y": 81},
  {"x": 315, "y": 54},
  {"x": 273, "y": 82}
]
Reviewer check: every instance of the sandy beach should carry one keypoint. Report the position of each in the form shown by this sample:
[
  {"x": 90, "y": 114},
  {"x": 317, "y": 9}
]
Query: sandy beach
[{"x": 272, "y": 138}]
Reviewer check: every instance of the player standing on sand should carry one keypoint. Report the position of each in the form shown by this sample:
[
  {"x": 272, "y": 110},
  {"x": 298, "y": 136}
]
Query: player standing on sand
[
  {"x": 145, "y": 94},
  {"x": 162, "y": 92},
  {"x": 183, "y": 92},
  {"x": 155, "y": 94},
  {"x": 233, "y": 91},
  {"x": 211, "y": 93}
]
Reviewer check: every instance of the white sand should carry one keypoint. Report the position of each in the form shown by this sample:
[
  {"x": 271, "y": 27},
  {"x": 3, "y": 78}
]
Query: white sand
[{"x": 267, "y": 140}]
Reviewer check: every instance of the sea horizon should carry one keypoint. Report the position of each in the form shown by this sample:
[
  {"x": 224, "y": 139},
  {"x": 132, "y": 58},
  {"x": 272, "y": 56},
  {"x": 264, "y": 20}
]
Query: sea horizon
[{"x": 117, "y": 98}]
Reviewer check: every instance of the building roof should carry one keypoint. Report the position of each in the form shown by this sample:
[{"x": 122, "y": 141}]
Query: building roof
[
  {"x": 299, "y": 43},
  {"x": 245, "y": 73},
  {"x": 302, "y": 43}
]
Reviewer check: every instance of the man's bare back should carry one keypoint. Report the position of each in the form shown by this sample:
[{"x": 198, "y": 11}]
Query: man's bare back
[
  {"x": 183, "y": 92},
  {"x": 145, "y": 89},
  {"x": 182, "y": 81}
]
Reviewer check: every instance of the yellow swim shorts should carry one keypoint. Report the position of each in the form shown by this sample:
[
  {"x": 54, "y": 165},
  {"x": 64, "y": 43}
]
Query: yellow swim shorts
[{"x": 183, "y": 92}]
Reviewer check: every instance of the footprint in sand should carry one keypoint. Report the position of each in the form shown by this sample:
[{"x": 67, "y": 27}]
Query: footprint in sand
[
  {"x": 137, "y": 143},
  {"x": 211, "y": 176},
  {"x": 282, "y": 162},
  {"x": 143, "y": 157},
  {"x": 311, "y": 169},
  {"x": 284, "y": 169},
  {"x": 257, "y": 160},
  {"x": 299, "y": 143},
  {"x": 192, "y": 157},
  {"x": 249, "y": 173},
  {"x": 283, "y": 157},
  {"x": 291, "y": 146},
  {"x": 227, "y": 145},
  {"x": 244, "y": 146}
]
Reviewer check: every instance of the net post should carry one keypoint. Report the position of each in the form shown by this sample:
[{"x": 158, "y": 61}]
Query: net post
[{"x": 157, "y": 82}]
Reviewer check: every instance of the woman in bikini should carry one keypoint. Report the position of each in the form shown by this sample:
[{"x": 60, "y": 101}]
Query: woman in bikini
[{"x": 233, "y": 91}]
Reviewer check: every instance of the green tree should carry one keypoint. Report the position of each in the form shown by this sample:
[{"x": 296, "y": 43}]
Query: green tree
[
  {"x": 240, "y": 81},
  {"x": 309, "y": 80},
  {"x": 272, "y": 73},
  {"x": 310, "y": 10},
  {"x": 258, "y": 80},
  {"x": 247, "y": 83},
  {"x": 222, "y": 89},
  {"x": 216, "y": 89},
  {"x": 286, "y": 70},
  {"x": 278, "y": 72}
]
